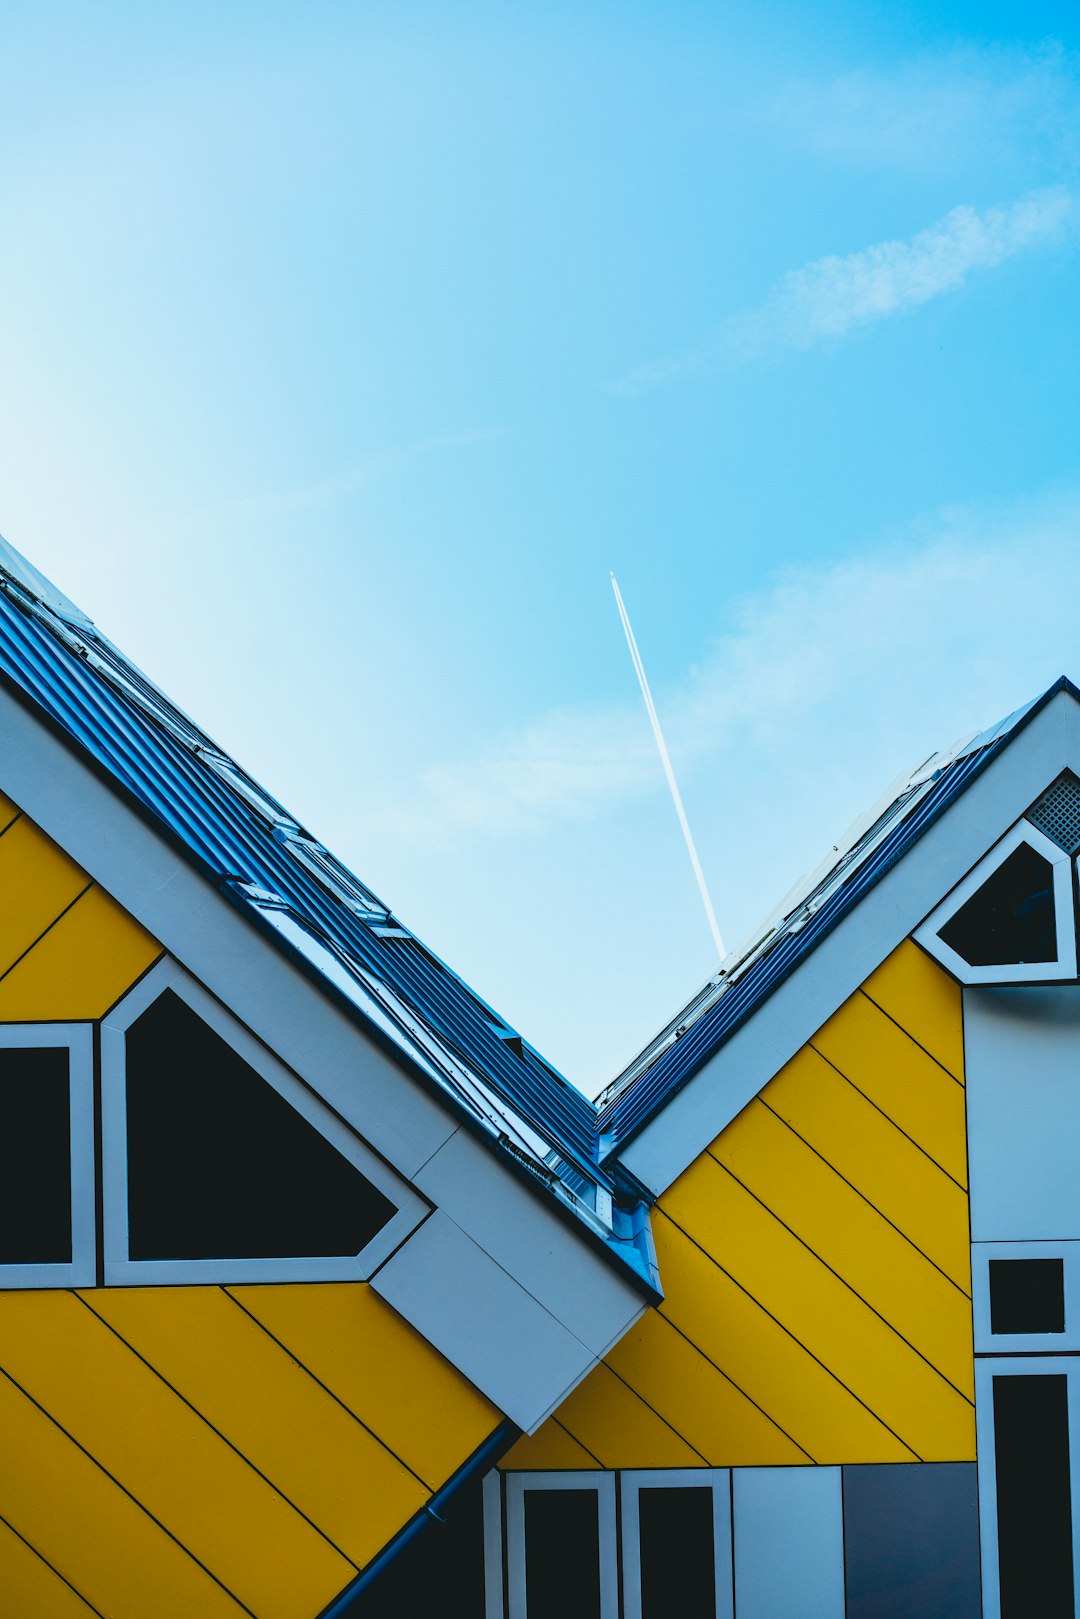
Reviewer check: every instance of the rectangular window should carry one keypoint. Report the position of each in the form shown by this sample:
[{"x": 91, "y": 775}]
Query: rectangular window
[
  {"x": 1034, "y": 1500},
  {"x": 561, "y": 1546},
  {"x": 676, "y": 1544},
  {"x": 46, "y": 1155}
]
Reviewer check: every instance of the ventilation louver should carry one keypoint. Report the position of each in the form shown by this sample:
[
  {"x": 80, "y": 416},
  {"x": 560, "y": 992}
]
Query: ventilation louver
[{"x": 1057, "y": 813}]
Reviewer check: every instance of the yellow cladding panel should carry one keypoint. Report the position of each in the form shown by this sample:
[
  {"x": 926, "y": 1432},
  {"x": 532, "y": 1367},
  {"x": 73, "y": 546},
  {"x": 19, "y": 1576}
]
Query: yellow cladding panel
[
  {"x": 844, "y": 1230},
  {"x": 273, "y": 1411},
  {"x": 552, "y": 1448},
  {"x": 38, "y": 882},
  {"x": 80, "y": 967},
  {"x": 615, "y": 1424},
  {"x": 915, "y": 1092},
  {"x": 8, "y": 811},
  {"x": 822, "y": 1312},
  {"x": 699, "y": 1401},
  {"x": 29, "y": 1589},
  {"x": 381, "y": 1369},
  {"x": 880, "y": 1162},
  {"x": 167, "y": 1457},
  {"x": 101, "y": 1541},
  {"x": 924, "y": 1000},
  {"x": 803, "y": 1397}
]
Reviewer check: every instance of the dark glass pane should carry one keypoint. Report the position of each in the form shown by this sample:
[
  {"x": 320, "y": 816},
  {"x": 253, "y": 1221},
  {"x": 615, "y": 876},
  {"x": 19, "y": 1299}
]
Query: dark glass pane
[
  {"x": 219, "y": 1165},
  {"x": 439, "y": 1574},
  {"x": 1031, "y": 1437},
  {"x": 911, "y": 1541},
  {"x": 678, "y": 1573},
  {"x": 35, "y": 1158},
  {"x": 562, "y": 1554},
  {"x": 1011, "y": 917},
  {"x": 1027, "y": 1295}
]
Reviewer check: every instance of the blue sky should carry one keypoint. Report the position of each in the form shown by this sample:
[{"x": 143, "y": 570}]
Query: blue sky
[{"x": 345, "y": 349}]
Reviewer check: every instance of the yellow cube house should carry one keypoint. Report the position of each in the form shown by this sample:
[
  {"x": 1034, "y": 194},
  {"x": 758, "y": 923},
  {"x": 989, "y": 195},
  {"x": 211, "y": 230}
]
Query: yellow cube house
[{"x": 323, "y": 1294}]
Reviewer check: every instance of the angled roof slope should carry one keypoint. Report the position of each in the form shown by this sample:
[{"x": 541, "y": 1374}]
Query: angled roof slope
[
  {"x": 266, "y": 863},
  {"x": 750, "y": 975}
]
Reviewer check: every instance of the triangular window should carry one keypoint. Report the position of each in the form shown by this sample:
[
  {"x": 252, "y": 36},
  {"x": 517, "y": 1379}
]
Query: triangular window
[
  {"x": 1011, "y": 919},
  {"x": 219, "y": 1164}
]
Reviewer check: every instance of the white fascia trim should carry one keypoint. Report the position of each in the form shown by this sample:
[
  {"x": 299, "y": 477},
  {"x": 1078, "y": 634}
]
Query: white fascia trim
[
  {"x": 120, "y": 1270},
  {"x": 78, "y": 1038},
  {"x": 372, "y": 1090},
  {"x": 883, "y": 919},
  {"x": 1021, "y": 972}
]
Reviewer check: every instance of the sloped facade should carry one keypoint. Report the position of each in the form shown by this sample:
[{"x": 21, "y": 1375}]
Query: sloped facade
[{"x": 322, "y": 1293}]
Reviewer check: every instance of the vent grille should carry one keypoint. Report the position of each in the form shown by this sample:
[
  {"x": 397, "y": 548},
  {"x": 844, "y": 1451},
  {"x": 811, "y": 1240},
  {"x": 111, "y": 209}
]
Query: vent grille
[{"x": 1057, "y": 813}]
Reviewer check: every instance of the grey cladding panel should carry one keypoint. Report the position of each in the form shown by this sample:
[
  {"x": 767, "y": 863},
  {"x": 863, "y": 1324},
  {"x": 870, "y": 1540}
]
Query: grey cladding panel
[
  {"x": 911, "y": 1541},
  {"x": 789, "y": 1543}
]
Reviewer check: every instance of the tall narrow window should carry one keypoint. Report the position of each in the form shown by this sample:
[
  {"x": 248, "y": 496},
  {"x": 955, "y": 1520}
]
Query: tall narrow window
[
  {"x": 561, "y": 1557},
  {"x": 46, "y": 1155},
  {"x": 1034, "y": 1502}
]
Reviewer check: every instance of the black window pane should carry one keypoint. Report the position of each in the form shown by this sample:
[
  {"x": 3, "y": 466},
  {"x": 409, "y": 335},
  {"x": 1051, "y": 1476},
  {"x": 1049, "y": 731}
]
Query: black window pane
[
  {"x": 911, "y": 1541},
  {"x": 1027, "y": 1295},
  {"x": 1011, "y": 917},
  {"x": 1031, "y": 1437},
  {"x": 35, "y": 1157},
  {"x": 562, "y": 1554},
  {"x": 678, "y": 1572},
  {"x": 219, "y": 1165}
]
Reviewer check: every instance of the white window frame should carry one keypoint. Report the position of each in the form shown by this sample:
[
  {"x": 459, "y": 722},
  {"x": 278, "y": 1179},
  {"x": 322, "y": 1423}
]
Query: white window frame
[
  {"x": 78, "y": 1039},
  {"x": 1016, "y": 1343},
  {"x": 1022, "y": 1366},
  {"x": 517, "y": 1485},
  {"x": 718, "y": 1479},
  {"x": 1022, "y": 972},
  {"x": 119, "y": 1269}
]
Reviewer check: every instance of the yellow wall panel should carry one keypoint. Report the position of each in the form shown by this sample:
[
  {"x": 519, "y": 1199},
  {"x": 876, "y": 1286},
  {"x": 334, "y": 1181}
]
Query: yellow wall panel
[
  {"x": 29, "y": 1589},
  {"x": 898, "y": 1076},
  {"x": 199, "y": 1489},
  {"x": 266, "y": 1405},
  {"x": 818, "y": 1254},
  {"x": 804, "y": 1398},
  {"x": 552, "y": 1448},
  {"x": 90, "y": 1531},
  {"x": 879, "y": 1161},
  {"x": 38, "y": 882},
  {"x": 820, "y": 1310},
  {"x": 844, "y": 1230},
  {"x": 8, "y": 811},
  {"x": 613, "y": 1422},
  {"x": 699, "y": 1401},
  {"x": 924, "y": 1000},
  {"x": 80, "y": 967},
  {"x": 381, "y": 1369}
]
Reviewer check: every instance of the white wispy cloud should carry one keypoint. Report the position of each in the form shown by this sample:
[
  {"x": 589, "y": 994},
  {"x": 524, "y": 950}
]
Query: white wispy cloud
[
  {"x": 831, "y": 296},
  {"x": 827, "y": 683}
]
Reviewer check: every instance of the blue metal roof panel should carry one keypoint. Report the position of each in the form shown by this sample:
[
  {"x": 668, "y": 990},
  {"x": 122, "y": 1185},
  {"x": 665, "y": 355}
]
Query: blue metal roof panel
[
  {"x": 632, "y": 1105},
  {"x": 264, "y": 860}
]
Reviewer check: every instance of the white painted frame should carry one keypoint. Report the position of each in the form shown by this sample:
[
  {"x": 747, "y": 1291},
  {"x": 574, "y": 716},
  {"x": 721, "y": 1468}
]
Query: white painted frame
[
  {"x": 718, "y": 1480},
  {"x": 494, "y": 1589},
  {"x": 120, "y": 1270},
  {"x": 1018, "y": 1343},
  {"x": 1023, "y": 972},
  {"x": 603, "y": 1485},
  {"x": 78, "y": 1039},
  {"x": 1022, "y": 1366}
]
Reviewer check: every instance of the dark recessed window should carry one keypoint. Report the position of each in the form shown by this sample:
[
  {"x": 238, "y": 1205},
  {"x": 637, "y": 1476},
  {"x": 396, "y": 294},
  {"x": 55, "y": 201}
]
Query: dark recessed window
[
  {"x": 220, "y": 1166},
  {"x": 1010, "y": 918},
  {"x": 678, "y": 1570},
  {"x": 1034, "y": 1502},
  {"x": 1027, "y": 1295},
  {"x": 35, "y": 1157},
  {"x": 562, "y": 1554}
]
